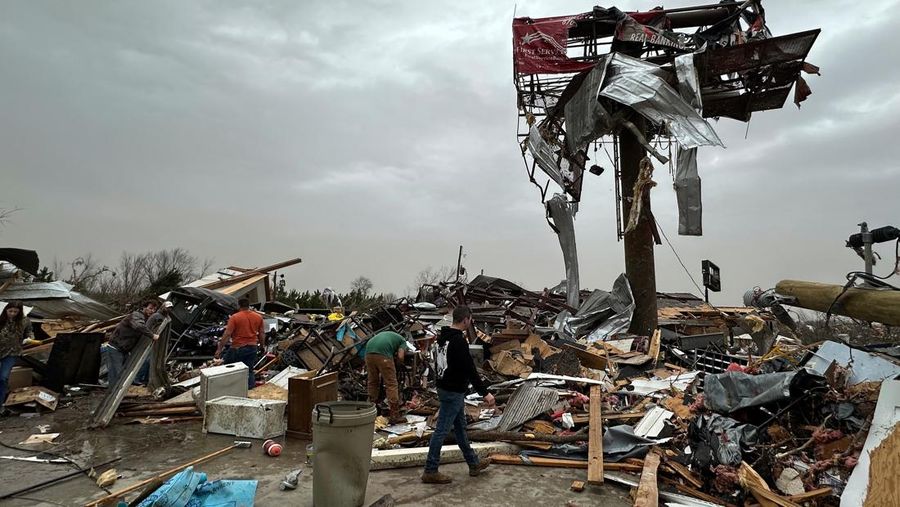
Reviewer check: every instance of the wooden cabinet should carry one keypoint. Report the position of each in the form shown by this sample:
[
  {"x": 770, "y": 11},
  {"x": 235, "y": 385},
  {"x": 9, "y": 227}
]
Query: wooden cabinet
[{"x": 304, "y": 392}]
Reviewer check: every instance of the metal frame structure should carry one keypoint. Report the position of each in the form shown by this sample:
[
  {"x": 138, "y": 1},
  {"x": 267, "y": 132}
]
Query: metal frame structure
[
  {"x": 717, "y": 59},
  {"x": 736, "y": 80}
]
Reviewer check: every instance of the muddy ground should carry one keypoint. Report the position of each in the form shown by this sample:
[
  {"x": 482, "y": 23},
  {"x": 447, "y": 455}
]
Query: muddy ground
[{"x": 146, "y": 450}]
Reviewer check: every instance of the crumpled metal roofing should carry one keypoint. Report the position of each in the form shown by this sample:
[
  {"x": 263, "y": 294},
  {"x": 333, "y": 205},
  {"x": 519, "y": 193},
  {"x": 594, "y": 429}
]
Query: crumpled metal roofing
[
  {"x": 642, "y": 86},
  {"x": 602, "y": 313},
  {"x": 527, "y": 402},
  {"x": 563, "y": 215},
  {"x": 548, "y": 159},
  {"x": 56, "y": 300},
  {"x": 586, "y": 118}
]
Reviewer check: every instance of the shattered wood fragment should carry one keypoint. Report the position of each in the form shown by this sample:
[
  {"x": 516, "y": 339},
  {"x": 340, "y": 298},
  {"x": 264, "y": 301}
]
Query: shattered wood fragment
[
  {"x": 760, "y": 490},
  {"x": 676, "y": 404},
  {"x": 577, "y": 486},
  {"x": 655, "y": 343},
  {"x": 648, "y": 492},
  {"x": 595, "y": 439},
  {"x": 884, "y": 472}
]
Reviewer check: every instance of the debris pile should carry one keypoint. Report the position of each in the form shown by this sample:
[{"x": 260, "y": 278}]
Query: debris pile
[
  {"x": 722, "y": 405},
  {"x": 701, "y": 396}
]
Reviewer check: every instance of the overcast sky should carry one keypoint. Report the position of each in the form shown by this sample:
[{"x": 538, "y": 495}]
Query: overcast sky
[{"x": 373, "y": 138}]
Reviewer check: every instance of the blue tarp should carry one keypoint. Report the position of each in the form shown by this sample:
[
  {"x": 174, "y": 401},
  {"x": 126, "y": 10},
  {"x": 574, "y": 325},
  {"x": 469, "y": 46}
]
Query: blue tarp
[{"x": 190, "y": 489}]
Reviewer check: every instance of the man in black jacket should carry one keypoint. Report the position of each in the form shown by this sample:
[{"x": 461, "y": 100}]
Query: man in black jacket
[
  {"x": 455, "y": 371},
  {"x": 125, "y": 338}
]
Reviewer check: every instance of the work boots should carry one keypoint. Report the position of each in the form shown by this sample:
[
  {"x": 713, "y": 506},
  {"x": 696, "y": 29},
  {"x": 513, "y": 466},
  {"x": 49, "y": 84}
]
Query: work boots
[
  {"x": 395, "y": 417},
  {"x": 435, "y": 478},
  {"x": 475, "y": 470}
]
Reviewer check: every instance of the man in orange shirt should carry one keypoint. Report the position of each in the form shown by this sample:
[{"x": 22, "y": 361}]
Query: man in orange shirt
[{"x": 244, "y": 331}]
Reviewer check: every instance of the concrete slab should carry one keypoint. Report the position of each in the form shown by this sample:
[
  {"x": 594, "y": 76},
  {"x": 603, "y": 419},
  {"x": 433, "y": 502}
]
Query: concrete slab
[{"x": 149, "y": 449}]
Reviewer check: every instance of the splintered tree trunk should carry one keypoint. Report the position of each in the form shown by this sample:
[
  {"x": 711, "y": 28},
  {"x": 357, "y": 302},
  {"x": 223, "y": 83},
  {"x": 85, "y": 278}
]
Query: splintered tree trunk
[{"x": 640, "y": 266}]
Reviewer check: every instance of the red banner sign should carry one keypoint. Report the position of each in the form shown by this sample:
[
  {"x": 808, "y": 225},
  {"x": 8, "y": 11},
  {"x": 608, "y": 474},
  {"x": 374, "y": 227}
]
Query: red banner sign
[{"x": 539, "y": 46}]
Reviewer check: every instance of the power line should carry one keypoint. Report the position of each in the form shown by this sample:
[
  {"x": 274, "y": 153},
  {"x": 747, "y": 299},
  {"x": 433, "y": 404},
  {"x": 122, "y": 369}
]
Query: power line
[{"x": 686, "y": 270}]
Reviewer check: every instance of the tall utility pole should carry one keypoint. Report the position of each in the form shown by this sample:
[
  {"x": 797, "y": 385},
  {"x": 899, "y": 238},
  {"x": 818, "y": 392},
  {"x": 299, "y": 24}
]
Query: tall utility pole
[
  {"x": 553, "y": 58},
  {"x": 640, "y": 266},
  {"x": 867, "y": 246}
]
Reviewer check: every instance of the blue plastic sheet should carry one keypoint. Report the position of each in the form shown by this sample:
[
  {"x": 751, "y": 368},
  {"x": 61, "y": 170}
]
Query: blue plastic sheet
[{"x": 190, "y": 489}]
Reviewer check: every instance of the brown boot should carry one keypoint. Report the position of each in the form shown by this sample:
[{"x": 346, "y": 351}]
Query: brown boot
[
  {"x": 395, "y": 417},
  {"x": 435, "y": 478},
  {"x": 475, "y": 470}
]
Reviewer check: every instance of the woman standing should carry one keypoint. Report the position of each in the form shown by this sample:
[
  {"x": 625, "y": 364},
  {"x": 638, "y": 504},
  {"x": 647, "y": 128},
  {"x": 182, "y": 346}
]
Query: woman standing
[{"x": 14, "y": 327}]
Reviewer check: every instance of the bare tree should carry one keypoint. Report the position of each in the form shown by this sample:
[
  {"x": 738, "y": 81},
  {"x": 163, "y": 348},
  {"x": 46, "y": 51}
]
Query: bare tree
[
  {"x": 136, "y": 276},
  {"x": 362, "y": 286},
  {"x": 85, "y": 273},
  {"x": 5, "y": 213},
  {"x": 431, "y": 276}
]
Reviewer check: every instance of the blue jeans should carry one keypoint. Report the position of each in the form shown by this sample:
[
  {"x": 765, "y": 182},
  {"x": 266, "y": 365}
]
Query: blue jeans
[
  {"x": 6, "y": 366},
  {"x": 246, "y": 355},
  {"x": 452, "y": 413},
  {"x": 143, "y": 375},
  {"x": 115, "y": 364}
]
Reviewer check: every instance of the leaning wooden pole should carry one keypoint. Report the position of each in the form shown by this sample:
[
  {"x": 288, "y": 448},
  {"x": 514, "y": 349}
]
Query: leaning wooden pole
[{"x": 865, "y": 304}]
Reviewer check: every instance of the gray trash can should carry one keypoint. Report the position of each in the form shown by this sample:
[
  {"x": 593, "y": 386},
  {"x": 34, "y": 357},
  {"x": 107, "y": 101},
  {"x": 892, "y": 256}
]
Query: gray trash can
[{"x": 343, "y": 432}]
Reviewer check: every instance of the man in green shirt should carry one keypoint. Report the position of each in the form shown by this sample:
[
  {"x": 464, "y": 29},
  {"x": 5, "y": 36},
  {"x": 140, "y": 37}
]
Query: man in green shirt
[{"x": 380, "y": 351}]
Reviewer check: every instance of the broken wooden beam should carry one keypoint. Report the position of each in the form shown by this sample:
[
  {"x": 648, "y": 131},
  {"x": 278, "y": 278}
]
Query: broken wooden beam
[
  {"x": 515, "y": 459},
  {"x": 513, "y": 436},
  {"x": 160, "y": 412},
  {"x": 595, "y": 438},
  {"x": 648, "y": 491},
  {"x": 161, "y": 476},
  {"x": 684, "y": 473}
]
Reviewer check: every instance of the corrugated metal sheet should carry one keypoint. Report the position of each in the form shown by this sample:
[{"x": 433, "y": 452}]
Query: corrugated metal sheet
[
  {"x": 24, "y": 291},
  {"x": 525, "y": 404},
  {"x": 56, "y": 300}
]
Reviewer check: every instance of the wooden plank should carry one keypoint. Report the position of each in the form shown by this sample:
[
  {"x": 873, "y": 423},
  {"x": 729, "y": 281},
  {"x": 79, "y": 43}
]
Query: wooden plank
[
  {"x": 609, "y": 416},
  {"x": 595, "y": 438},
  {"x": 809, "y": 495},
  {"x": 655, "y": 343},
  {"x": 514, "y": 459},
  {"x": 165, "y": 475},
  {"x": 648, "y": 492},
  {"x": 685, "y": 474}
]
